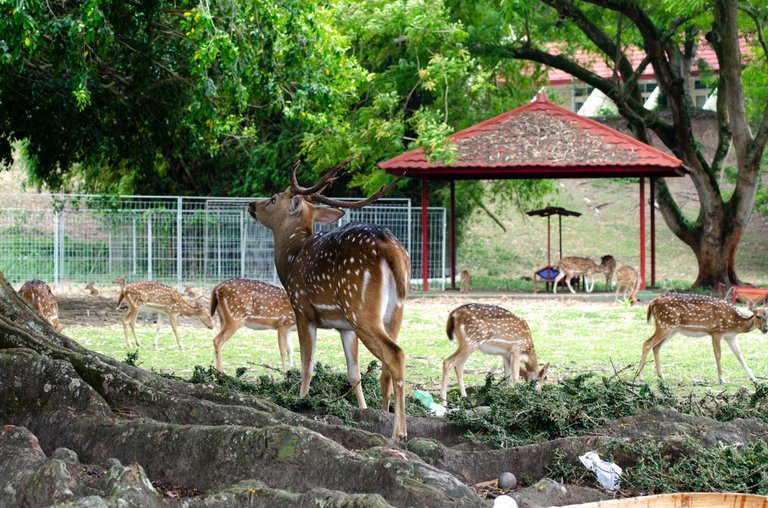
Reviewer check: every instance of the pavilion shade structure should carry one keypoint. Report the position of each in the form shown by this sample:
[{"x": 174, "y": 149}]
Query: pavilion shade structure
[{"x": 540, "y": 140}]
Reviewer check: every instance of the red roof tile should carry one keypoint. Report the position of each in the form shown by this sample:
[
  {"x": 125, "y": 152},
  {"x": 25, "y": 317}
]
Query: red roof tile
[{"x": 540, "y": 140}]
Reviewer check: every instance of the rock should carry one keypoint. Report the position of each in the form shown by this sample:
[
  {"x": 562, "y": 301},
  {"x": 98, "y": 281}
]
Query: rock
[
  {"x": 65, "y": 455},
  {"x": 507, "y": 481}
]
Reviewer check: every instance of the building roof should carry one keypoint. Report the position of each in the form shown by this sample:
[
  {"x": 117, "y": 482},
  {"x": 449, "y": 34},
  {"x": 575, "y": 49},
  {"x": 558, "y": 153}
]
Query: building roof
[
  {"x": 598, "y": 65},
  {"x": 540, "y": 140}
]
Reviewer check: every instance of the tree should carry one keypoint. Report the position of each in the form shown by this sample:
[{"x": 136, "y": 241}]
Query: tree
[
  {"x": 168, "y": 97},
  {"x": 550, "y": 32}
]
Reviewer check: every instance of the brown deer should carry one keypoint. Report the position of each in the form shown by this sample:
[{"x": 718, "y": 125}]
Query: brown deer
[
  {"x": 494, "y": 331},
  {"x": 627, "y": 279},
  {"x": 354, "y": 279},
  {"x": 696, "y": 316},
  {"x": 120, "y": 281},
  {"x": 42, "y": 299},
  {"x": 160, "y": 298},
  {"x": 257, "y": 305},
  {"x": 585, "y": 267},
  {"x": 91, "y": 289},
  {"x": 465, "y": 282}
]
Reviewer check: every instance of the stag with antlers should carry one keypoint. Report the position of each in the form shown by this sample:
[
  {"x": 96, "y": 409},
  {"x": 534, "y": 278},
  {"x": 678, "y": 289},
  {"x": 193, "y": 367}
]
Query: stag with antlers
[{"x": 353, "y": 279}]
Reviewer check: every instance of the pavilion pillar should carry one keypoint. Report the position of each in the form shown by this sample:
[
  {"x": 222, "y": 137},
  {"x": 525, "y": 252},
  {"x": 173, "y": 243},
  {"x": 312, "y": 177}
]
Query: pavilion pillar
[
  {"x": 424, "y": 237},
  {"x": 653, "y": 230},
  {"x": 642, "y": 232},
  {"x": 453, "y": 234}
]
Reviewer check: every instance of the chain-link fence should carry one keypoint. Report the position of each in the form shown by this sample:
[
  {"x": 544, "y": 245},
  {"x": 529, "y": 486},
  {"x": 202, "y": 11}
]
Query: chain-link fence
[{"x": 72, "y": 239}]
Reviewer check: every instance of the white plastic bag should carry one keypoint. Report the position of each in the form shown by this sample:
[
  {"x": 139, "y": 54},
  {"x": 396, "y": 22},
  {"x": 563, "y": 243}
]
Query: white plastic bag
[{"x": 608, "y": 473}]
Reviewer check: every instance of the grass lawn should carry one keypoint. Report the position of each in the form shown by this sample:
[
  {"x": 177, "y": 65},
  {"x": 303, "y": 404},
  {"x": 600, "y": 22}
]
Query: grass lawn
[{"x": 575, "y": 336}]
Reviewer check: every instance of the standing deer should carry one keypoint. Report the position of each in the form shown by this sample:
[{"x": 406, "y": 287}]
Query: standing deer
[
  {"x": 585, "y": 267},
  {"x": 627, "y": 279},
  {"x": 494, "y": 331},
  {"x": 354, "y": 279},
  {"x": 696, "y": 316},
  {"x": 257, "y": 305},
  {"x": 465, "y": 282},
  {"x": 160, "y": 298},
  {"x": 42, "y": 299}
]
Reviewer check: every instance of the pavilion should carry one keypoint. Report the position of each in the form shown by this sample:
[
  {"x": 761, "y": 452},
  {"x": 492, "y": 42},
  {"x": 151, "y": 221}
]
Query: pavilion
[{"x": 539, "y": 140}]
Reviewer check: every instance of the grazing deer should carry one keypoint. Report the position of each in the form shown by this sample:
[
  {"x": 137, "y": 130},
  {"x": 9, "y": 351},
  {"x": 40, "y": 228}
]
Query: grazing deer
[
  {"x": 354, "y": 279},
  {"x": 627, "y": 279},
  {"x": 465, "y": 282},
  {"x": 257, "y": 305},
  {"x": 162, "y": 299},
  {"x": 91, "y": 289},
  {"x": 494, "y": 331},
  {"x": 42, "y": 299},
  {"x": 585, "y": 267},
  {"x": 696, "y": 316}
]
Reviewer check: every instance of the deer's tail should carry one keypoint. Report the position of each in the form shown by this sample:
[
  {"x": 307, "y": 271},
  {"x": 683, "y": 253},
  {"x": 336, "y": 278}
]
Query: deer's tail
[
  {"x": 214, "y": 300},
  {"x": 649, "y": 312},
  {"x": 449, "y": 326},
  {"x": 400, "y": 264}
]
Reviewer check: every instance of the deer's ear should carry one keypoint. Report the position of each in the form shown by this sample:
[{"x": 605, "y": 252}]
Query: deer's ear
[
  {"x": 295, "y": 205},
  {"x": 328, "y": 215}
]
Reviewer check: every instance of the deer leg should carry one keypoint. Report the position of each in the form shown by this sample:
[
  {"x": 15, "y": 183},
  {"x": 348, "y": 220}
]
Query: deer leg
[
  {"x": 284, "y": 344},
  {"x": 507, "y": 366},
  {"x": 307, "y": 336},
  {"x": 392, "y": 356},
  {"x": 587, "y": 286},
  {"x": 558, "y": 278},
  {"x": 459, "y": 368},
  {"x": 226, "y": 332},
  {"x": 515, "y": 367},
  {"x": 568, "y": 283},
  {"x": 449, "y": 363},
  {"x": 130, "y": 320},
  {"x": 172, "y": 319},
  {"x": 392, "y": 326},
  {"x": 734, "y": 344},
  {"x": 157, "y": 330},
  {"x": 658, "y": 337},
  {"x": 349, "y": 342}
]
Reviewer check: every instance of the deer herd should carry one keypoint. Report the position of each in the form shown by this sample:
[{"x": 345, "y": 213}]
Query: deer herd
[{"x": 355, "y": 279}]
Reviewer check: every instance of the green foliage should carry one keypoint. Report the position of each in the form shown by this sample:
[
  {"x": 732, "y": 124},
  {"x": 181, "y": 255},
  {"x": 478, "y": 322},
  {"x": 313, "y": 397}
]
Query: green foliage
[
  {"x": 132, "y": 358},
  {"x": 329, "y": 392},
  {"x": 519, "y": 414}
]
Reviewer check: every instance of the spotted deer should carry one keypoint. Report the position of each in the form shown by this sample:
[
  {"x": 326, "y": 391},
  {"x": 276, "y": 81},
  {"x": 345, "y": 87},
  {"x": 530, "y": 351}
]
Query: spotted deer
[
  {"x": 494, "y": 331},
  {"x": 586, "y": 267},
  {"x": 354, "y": 279},
  {"x": 160, "y": 298},
  {"x": 627, "y": 279},
  {"x": 91, "y": 289},
  {"x": 256, "y": 305},
  {"x": 696, "y": 316},
  {"x": 465, "y": 282},
  {"x": 42, "y": 299}
]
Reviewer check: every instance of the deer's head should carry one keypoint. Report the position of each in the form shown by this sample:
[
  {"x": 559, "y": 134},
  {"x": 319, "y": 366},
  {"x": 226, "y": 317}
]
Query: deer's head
[
  {"x": 294, "y": 208},
  {"x": 761, "y": 319}
]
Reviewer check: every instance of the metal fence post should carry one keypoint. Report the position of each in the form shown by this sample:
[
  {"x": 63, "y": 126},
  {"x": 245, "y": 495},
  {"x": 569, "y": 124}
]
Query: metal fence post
[
  {"x": 134, "y": 246},
  {"x": 178, "y": 244},
  {"x": 149, "y": 246},
  {"x": 56, "y": 247},
  {"x": 242, "y": 244}
]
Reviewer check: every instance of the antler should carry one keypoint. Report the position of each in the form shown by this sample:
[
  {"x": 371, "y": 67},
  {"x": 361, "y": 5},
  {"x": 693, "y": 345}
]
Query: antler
[
  {"x": 328, "y": 178},
  {"x": 356, "y": 204}
]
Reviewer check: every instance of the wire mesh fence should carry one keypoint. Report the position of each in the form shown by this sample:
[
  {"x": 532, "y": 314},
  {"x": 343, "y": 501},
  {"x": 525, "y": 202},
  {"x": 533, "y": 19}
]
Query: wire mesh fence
[{"x": 73, "y": 239}]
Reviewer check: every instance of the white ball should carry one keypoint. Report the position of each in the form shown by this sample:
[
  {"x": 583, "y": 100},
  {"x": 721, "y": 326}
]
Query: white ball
[
  {"x": 507, "y": 481},
  {"x": 504, "y": 502}
]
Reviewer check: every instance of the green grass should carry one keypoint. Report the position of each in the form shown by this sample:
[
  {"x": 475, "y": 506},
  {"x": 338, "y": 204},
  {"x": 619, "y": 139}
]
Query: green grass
[
  {"x": 506, "y": 260},
  {"x": 573, "y": 336}
]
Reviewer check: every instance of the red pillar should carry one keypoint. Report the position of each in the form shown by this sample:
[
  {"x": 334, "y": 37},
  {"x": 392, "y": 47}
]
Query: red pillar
[
  {"x": 653, "y": 231},
  {"x": 453, "y": 235},
  {"x": 424, "y": 236},
  {"x": 642, "y": 232}
]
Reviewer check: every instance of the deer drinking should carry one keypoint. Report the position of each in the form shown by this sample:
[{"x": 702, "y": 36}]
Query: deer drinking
[
  {"x": 696, "y": 316},
  {"x": 354, "y": 279}
]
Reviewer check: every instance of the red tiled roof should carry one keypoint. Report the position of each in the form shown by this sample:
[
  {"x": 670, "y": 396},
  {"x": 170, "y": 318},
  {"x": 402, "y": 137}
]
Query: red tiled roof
[
  {"x": 598, "y": 65},
  {"x": 540, "y": 140}
]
